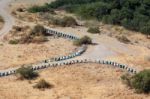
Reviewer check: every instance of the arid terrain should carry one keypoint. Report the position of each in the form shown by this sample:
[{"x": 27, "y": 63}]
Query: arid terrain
[
  {"x": 80, "y": 81},
  {"x": 30, "y": 53}
]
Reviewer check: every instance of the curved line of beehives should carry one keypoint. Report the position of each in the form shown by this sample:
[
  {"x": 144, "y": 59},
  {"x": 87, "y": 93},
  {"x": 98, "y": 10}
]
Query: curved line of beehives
[
  {"x": 80, "y": 50},
  {"x": 70, "y": 62},
  {"x": 59, "y": 60}
]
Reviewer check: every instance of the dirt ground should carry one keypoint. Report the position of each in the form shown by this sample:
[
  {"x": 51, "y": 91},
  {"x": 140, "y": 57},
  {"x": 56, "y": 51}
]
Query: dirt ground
[
  {"x": 14, "y": 55},
  {"x": 82, "y": 81}
]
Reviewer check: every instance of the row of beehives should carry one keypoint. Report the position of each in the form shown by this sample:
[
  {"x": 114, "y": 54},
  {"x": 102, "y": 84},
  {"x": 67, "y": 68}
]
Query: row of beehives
[{"x": 70, "y": 62}]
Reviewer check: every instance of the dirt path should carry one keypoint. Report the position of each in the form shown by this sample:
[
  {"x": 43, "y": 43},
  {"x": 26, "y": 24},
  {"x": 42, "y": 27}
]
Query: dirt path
[{"x": 9, "y": 20}]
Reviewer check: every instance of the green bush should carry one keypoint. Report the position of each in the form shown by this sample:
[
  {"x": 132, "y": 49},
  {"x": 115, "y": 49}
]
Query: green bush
[
  {"x": 14, "y": 41},
  {"x": 38, "y": 30},
  {"x": 42, "y": 84},
  {"x": 93, "y": 30},
  {"x": 36, "y": 8},
  {"x": 26, "y": 73},
  {"x": 68, "y": 21},
  {"x": 83, "y": 40},
  {"x": 140, "y": 81}
]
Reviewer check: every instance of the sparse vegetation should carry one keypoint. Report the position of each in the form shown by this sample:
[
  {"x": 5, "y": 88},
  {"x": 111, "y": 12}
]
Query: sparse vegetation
[
  {"x": 15, "y": 41},
  {"x": 94, "y": 30},
  {"x": 26, "y": 73},
  {"x": 140, "y": 82},
  {"x": 35, "y": 35},
  {"x": 42, "y": 84},
  {"x": 83, "y": 40}
]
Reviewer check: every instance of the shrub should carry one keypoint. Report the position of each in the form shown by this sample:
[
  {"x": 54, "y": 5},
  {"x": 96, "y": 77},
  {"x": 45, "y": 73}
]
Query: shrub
[
  {"x": 66, "y": 21},
  {"x": 83, "y": 40},
  {"x": 126, "y": 79},
  {"x": 42, "y": 84},
  {"x": 36, "y": 35},
  {"x": 1, "y": 19},
  {"x": 146, "y": 29},
  {"x": 26, "y": 73},
  {"x": 20, "y": 10},
  {"x": 38, "y": 30},
  {"x": 91, "y": 23},
  {"x": 18, "y": 28},
  {"x": 14, "y": 41},
  {"x": 123, "y": 39},
  {"x": 94, "y": 30},
  {"x": 140, "y": 81}
]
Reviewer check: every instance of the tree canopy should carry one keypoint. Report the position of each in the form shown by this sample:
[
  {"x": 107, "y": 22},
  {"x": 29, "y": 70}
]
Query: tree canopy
[{"x": 132, "y": 14}]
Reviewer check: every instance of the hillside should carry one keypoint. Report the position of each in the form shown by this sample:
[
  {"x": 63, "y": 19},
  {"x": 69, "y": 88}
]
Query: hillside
[
  {"x": 75, "y": 49},
  {"x": 132, "y": 14}
]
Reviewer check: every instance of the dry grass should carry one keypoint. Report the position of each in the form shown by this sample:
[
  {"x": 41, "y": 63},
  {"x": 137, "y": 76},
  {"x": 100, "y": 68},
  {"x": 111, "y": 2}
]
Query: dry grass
[
  {"x": 88, "y": 81},
  {"x": 30, "y": 53},
  {"x": 82, "y": 81}
]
